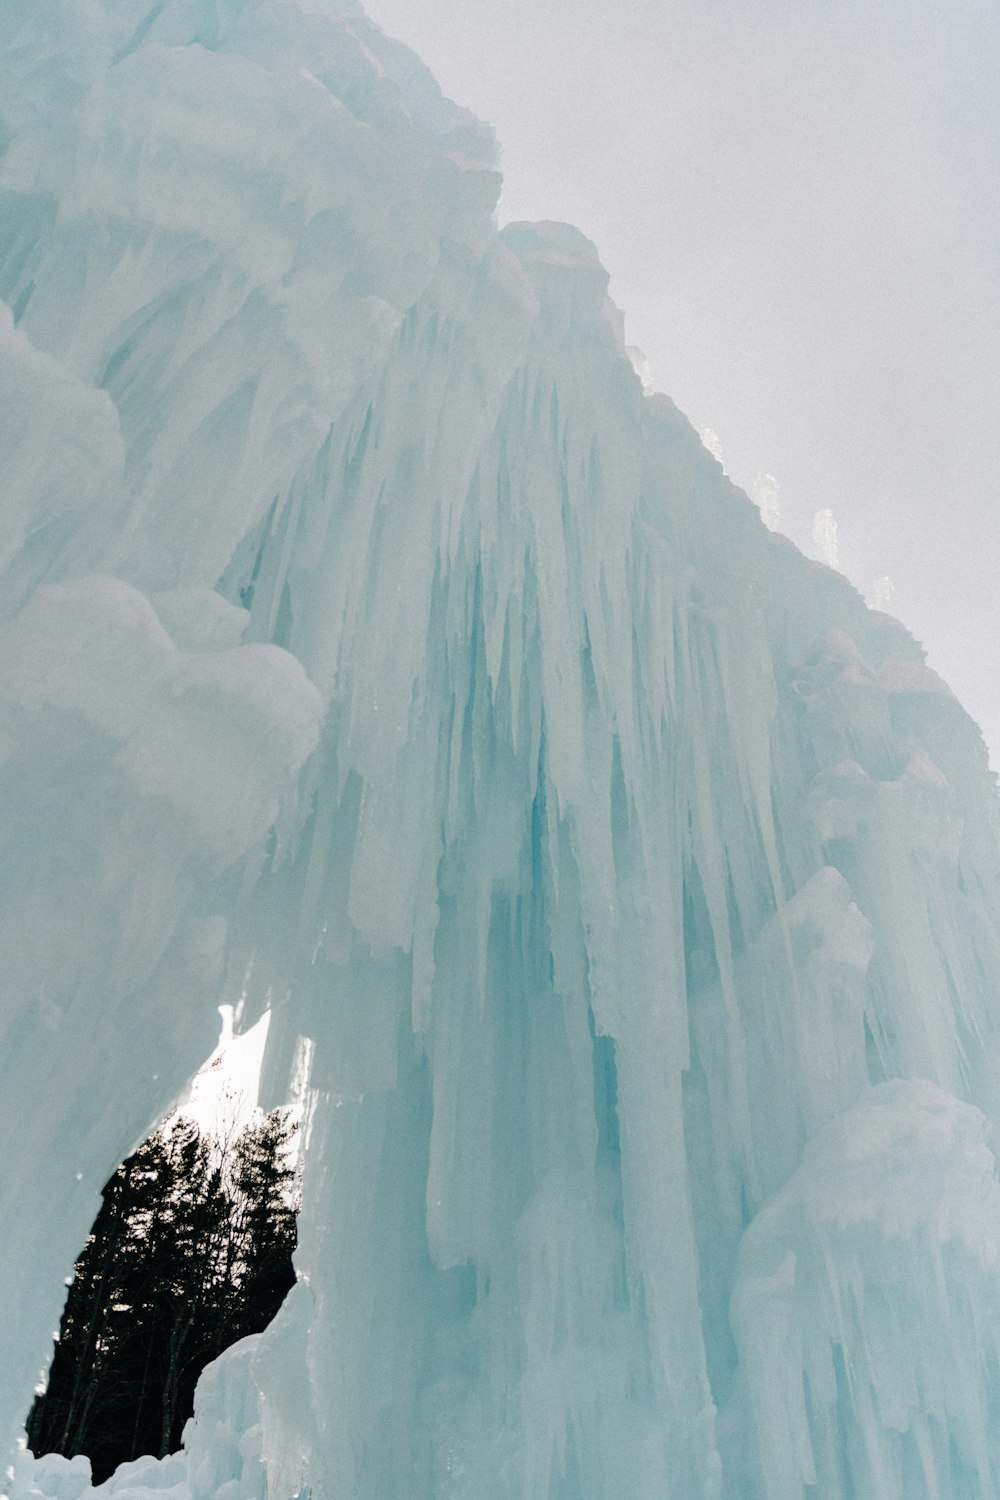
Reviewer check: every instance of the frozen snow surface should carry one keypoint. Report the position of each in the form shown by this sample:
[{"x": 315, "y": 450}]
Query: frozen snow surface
[{"x": 624, "y": 893}]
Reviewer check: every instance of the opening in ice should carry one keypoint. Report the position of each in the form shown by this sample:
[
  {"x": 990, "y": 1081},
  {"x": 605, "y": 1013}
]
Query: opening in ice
[{"x": 190, "y": 1253}]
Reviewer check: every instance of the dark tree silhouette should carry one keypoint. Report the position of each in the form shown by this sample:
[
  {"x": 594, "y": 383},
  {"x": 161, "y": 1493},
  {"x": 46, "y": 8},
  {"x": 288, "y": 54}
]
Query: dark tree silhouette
[{"x": 191, "y": 1250}]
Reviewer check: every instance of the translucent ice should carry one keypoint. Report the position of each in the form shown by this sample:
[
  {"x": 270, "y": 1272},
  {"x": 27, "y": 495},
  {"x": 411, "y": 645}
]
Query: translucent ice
[{"x": 373, "y": 651}]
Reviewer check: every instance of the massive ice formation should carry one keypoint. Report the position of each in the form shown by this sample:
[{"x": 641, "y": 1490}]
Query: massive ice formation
[{"x": 373, "y": 650}]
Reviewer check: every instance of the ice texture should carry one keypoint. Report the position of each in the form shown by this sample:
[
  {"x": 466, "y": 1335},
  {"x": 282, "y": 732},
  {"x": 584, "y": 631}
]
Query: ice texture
[{"x": 374, "y": 651}]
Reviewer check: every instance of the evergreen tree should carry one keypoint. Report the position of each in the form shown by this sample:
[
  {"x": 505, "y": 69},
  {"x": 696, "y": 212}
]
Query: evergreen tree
[{"x": 264, "y": 1194}]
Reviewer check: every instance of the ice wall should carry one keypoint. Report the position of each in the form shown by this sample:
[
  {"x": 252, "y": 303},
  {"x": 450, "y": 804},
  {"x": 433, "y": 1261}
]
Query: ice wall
[{"x": 375, "y": 651}]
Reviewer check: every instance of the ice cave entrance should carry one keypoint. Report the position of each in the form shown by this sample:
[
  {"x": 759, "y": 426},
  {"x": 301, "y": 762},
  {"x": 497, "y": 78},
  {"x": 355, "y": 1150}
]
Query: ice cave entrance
[{"x": 190, "y": 1252}]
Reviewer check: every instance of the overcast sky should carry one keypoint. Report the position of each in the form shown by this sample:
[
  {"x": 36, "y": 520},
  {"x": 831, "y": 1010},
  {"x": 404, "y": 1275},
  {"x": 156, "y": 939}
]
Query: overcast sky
[{"x": 798, "y": 204}]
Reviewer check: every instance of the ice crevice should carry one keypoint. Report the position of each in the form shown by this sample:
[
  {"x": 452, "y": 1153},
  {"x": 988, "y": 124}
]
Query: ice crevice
[{"x": 374, "y": 651}]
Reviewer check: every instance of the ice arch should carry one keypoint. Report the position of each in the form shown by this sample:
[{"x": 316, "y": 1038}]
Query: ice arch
[{"x": 373, "y": 649}]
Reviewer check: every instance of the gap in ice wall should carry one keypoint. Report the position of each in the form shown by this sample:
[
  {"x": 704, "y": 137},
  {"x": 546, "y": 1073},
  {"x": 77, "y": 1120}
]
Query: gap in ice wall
[{"x": 593, "y": 850}]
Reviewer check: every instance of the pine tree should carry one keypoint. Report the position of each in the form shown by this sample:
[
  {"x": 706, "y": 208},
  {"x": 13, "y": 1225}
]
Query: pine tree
[
  {"x": 58, "y": 1421},
  {"x": 264, "y": 1191}
]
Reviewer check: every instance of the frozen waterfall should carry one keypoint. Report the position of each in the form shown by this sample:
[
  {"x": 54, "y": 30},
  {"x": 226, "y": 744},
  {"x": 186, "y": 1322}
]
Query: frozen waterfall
[{"x": 374, "y": 651}]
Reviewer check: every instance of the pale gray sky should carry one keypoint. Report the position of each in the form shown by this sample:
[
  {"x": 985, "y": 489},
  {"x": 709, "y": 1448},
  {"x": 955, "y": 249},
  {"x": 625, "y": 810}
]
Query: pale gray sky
[{"x": 798, "y": 204}]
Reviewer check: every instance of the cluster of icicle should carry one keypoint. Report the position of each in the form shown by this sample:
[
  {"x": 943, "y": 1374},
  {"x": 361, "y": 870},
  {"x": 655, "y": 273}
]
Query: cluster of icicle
[{"x": 624, "y": 893}]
